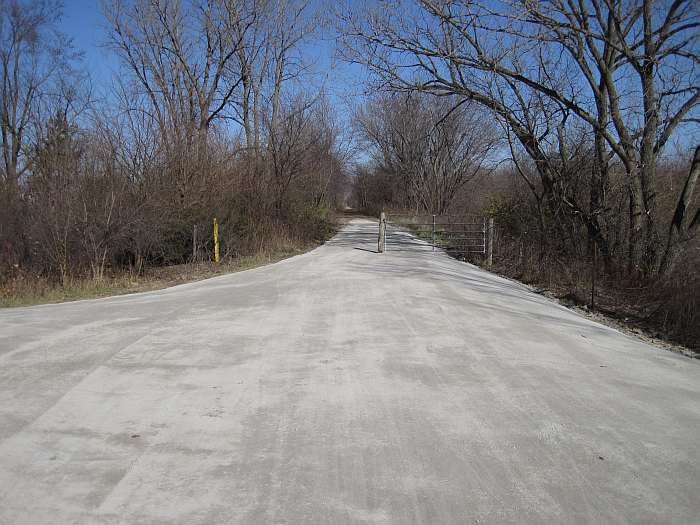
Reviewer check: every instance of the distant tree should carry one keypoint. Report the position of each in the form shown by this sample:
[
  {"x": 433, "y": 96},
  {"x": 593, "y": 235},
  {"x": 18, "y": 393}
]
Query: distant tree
[
  {"x": 431, "y": 146},
  {"x": 180, "y": 57},
  {"x": 35, "y": 59},
  {"x": 33, "y": 56},
  {"x": 626, "y": 70},
  {"x": 53, "y": 194}
]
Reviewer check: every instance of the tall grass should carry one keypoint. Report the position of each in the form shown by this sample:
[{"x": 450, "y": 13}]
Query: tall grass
[{"x": 669, "y": 308}]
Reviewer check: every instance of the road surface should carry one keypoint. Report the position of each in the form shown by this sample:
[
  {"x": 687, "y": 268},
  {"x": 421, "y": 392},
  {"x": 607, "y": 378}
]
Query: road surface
[{"x": 342, "y": 386}]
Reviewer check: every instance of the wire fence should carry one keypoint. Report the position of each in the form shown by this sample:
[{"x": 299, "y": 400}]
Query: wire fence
[{"x": 465, "y": 235}]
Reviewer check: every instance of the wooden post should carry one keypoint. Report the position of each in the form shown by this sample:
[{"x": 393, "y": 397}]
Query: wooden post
[
  {"x": 594, "y": 270},
  {"x": 382, "y": 233},
  {"x": 216, "y": 241},
  {"x": 194, "y": 243},
  {"x": 490, "y": 256},
  {"x": 433, "y": 232}
]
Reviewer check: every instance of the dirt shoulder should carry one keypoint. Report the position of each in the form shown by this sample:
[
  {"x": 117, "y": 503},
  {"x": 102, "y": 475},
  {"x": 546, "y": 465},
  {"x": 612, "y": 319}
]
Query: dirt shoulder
[
  {"x": 32, "y": 290},
  {"x": 622, "y": 317}
]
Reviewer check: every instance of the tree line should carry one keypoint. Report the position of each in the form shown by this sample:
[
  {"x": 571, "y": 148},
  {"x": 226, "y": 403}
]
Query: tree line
[
  {"x": 593, "y": 100},
  {"x": 573, "y": 124},
  {"x": 212, "y": 114}
]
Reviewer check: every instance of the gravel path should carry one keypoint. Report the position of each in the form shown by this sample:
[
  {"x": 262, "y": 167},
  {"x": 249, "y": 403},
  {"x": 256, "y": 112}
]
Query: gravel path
[{"x": 342, "y": 386}]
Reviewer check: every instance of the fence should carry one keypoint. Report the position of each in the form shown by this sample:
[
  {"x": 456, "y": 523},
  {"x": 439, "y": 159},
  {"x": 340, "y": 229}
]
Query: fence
[
  {"x": 204, "y": 244},
  {"x": 466, "y": 235}
]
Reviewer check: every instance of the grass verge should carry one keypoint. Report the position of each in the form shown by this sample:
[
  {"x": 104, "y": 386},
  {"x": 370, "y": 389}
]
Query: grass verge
[
  {"x": 30, "y": 290},
  {"x": 664, "y": 314}
]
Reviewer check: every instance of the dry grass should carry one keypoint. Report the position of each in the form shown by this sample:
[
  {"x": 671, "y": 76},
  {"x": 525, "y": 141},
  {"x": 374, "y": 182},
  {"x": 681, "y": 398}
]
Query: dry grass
[
  {"x": 268, "y": 242},
  {"x": 664, "y": 310},
  {"x": 26, "y": 290}
]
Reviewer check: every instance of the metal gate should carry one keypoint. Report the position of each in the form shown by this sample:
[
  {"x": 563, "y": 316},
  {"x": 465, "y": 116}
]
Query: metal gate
[{"x": 455, "y": 234}]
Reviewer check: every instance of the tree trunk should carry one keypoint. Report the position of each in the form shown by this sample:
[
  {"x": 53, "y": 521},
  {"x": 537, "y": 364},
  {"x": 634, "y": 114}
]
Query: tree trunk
[
  {"x": 637, "y": 223},
  {"x": 647, "y": 170},
  {"x": 678, "y": 233}
]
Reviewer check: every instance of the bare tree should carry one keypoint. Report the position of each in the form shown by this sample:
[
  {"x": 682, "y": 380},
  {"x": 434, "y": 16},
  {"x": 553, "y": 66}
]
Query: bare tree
[
  {"x": 32, "y": 56},
  {"x": 251, "y": 65},
  {"x": 611, "y": 43},
  {"x": 291, "y": 147},
  {"x": 55, "y": 160},
  {"x": 291, "y": 26},
  {"x": 179, "y": 54},
  {"x": 269, "y": 57},
  {"x": 684, "y": 226},
  {"x": 128, "y": 182},
  {"x": 625, "y": 69},
  {"x": 432, "y": 146}
]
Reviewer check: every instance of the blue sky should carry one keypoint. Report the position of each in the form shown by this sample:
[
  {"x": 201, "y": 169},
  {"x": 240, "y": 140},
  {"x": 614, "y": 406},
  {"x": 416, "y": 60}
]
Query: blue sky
[
  {"x": 84, "y": 22},
  {"x": 343, "y": 83}
]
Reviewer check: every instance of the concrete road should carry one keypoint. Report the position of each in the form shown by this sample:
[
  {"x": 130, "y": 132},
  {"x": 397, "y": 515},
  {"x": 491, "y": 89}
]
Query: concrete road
[{"x": 342, "y": 386}]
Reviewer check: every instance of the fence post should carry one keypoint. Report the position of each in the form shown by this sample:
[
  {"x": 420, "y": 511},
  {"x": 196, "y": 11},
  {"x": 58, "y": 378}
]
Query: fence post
[
  {"x": 382, "y": 233},
  {"x": 216, "y": 241},
  {"x": 433, "y": 232},
  {"x": 194, "y": 243},
  {"x": 594, "y": 270},
  {"x": 491, "y": 226}
]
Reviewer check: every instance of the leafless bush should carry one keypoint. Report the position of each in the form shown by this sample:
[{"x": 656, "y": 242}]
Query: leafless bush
[
  {"x": 203, "y": 122},
  {"x": 623, "y": 72},
  {"x": 424, "y": 149}
]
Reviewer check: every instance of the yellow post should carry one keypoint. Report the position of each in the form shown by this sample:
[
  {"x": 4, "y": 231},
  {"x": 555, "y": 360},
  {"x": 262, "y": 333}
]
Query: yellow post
[{"x": 216, "y": 241}]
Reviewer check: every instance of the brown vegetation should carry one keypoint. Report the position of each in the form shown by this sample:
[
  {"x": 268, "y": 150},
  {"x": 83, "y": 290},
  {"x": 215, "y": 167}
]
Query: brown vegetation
[
  {"x": 572, "y": 124},
  {"x": 597, "y": 101},
  {"x": 558, "y": 261},
  {"x": 205, "y": 120}
]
